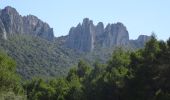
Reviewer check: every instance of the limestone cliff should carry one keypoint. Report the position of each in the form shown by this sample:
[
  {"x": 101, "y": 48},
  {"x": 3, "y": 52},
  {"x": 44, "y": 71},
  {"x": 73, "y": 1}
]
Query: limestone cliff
[{"x": 11, "y": 22}]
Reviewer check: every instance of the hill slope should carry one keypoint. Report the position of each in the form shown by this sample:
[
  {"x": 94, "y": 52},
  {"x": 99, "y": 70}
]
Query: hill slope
[{"x": 38, "y": 57}]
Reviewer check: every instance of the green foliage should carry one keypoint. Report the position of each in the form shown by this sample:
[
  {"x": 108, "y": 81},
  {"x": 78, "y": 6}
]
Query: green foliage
[
  {"x": 119, "y": 58},
  {"x": 138, "y": 75},
  {"x": 37, "y": 89},
  {"x": 11, "y": 96},
  {"x": 37, "y": 57},
  {"x": 10, "y": 86},
  {"x": 148, "y": 66},
  {"x": 83, "y": 69}
]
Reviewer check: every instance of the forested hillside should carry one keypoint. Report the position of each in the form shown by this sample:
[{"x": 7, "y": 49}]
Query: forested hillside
[
  {"x": 139, "y": 75},
  {"x": 10, "y": 82},
  {"x": 38, "y": 57}
]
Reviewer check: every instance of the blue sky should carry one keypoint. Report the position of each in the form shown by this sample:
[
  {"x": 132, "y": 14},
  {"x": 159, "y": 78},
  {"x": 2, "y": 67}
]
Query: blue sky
[{"x": 139, "y": 16}]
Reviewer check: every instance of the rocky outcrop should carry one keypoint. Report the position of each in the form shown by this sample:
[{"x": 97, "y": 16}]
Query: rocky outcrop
[
  {"x": 13, "y": 23},
  {"x": 115, "y": 35},
  {"x": 82, "y": 37},
  {"x": 87, "y": 36},
  {"x": 143, "y": 38},
  {"x": 2, "y": 30},
  {"x": 140, "y": 41}
]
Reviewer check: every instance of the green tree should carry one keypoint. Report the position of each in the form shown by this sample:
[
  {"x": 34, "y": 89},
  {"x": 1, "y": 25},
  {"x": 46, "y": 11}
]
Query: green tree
[
  {"x": 83, "y": 69},
  {"x": 38, "y": 89},
  {"x": 9, "y": 80},
  {"x": 144, "y": 63}
]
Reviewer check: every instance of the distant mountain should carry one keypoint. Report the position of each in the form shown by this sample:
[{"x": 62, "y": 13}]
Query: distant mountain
[
  {"x": 11, "y": 22},
  {"x": 32, "y": 44},
  {"x": 87, "y": 36}
]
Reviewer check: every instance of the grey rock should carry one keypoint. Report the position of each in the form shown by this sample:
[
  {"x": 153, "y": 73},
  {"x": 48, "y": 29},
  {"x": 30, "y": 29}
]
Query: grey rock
[
  {"x": 33, "y": 25},
  {"x": 100, "y": 29},
  {"x": 82, "y": 37},
  {"x": 13, "y": 23},
  {"x": 143, "y": 38},
  {"x": 86, "y": 36},
  {"x": 2, "y": 30},
  {"x": 140, "y": 41},
  {"x": 99, "y": 33},
  {"x": 115, "y": 35},
  {"x": 12, "y": 20}
]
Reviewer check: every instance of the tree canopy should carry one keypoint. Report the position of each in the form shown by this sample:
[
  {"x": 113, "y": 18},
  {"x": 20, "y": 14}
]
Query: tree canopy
[{"x": 139, "y": 75}]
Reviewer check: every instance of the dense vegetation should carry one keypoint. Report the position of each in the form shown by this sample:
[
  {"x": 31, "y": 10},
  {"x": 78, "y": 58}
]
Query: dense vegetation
[
  {"x": 139, "y": 75},
  {"x": 10, "y": 84},
  {"x": 38, "y": 57}
]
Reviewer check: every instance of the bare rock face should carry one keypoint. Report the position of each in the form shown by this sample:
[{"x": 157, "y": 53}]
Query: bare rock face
[
  {"x": 13, "y": 23},
  {"x": 140, "y": 41},
  {"x": 2, "y": 30},
  {"x": 33, "y": 25},
  {"x": 99, "y": 33},
  {"x": 12, "y": 20},
  {"x": 86, "y": 36},
  {"x": 82, "y": 37},
  {"x": 115, "y": 35},
  {"x": 143, "y": 38}
]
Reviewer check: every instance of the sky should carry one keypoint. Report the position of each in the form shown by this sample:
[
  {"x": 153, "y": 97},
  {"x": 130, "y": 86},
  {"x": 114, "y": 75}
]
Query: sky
[{"x": 139, "y": 16}]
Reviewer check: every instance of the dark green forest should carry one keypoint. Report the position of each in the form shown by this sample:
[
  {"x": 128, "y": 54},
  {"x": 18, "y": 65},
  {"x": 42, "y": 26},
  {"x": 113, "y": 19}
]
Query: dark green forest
[{"x": 138, "y": 75}]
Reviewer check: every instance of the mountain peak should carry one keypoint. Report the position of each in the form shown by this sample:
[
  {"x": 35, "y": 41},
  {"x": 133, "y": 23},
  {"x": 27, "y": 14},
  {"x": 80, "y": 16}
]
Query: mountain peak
[
  {"x": 87, "y": 36},
  {"x": 11, "y": 22},
  {"x": 86, "y": 20},
  {"x": 143, "y": 38},
  {"x": 100, "y": 24},
  {"x": 10, "y": 9},
  {"x": 81, "y": 37}
]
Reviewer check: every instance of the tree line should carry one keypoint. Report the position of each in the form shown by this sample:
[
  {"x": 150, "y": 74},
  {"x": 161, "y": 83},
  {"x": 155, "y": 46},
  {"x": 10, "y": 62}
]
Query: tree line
[{"x": 139, "y": 75}]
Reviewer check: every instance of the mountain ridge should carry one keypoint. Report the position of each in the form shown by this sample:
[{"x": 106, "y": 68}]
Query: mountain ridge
[
  {"x": 11, "y": 22},
  {"x": 86, "y": 36}
]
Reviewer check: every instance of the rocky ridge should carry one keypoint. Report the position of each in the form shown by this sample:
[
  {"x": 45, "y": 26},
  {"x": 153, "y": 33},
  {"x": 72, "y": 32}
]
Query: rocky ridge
[
  {"x": 11, "y": 22},
  {"x": 84, "y": 37},
  {"x": 87, "y": 36}
]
